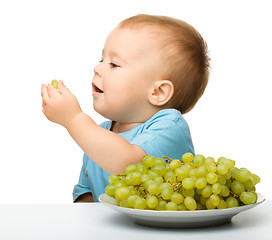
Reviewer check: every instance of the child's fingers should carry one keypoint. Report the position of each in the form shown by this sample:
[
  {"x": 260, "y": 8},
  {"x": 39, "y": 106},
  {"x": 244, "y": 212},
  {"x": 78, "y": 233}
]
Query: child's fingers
[
  {"x": 44, "y": 94},
  {"x": 62, "y": 88},
  {"x": 43, "y": 107},
  {"x": 51, "y": 90}
]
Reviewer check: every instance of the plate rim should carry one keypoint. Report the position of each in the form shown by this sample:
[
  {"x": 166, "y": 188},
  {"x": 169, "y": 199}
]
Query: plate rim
[{"x": 230, "y": 211}]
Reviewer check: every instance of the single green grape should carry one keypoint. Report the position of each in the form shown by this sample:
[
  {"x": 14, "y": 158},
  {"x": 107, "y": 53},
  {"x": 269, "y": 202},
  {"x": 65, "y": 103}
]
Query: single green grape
[
  {"x": 159, "y": 161},
  {"x": 227, "y": 175},
  {"x": 209, "y": 205},
  {"x": 221, "y": 179},
  {"x": 171, "y": 206},
  {"x": 146, "y": 177},
  {"x": 168, "y": 175},
  {"x": 136, "y": 178},
  {"x": 216, "y": 188},
  {"x": 148, "y": 161},
  {"x": 231, "y": 164},
  {"x": 248, "y": 184},
  {"x": 110, "y": 190},
  {"x": 128, "y": 179},
  {"x": 188, "y": 192},
  {"x": 152, "y": 201},
  {"x": 55, "y": 83},
  {"x": 211, "y": 178},
  {"x": 187, "y": 157},
  {"x": 120, "y": 183},
  {"x": 211, "y": 167},
  {"x": 123, "y": 203},
  {"x": 165, "y": 185},
  {"x": 154, "y": 188},
  {"x": 232, "y": 202},
  {"x": 188, "y": 183},
  {"x": 199, "y": 160},
  {"x": 159, "y": 169},
  {"x": 189, "y": 165},
  {"x": 166, "y": 193},
  {"x": 228, "y": 162},
  {"x": 134, "y": 191},
  {"x": 207, "y": 191},
  {"x": 141, "y": 168},
  {"x": 248, "y": 197},
  {"x": 258, "y": 179},
  {"x": 147, "y": 183},
  {"x": 181, "y": 207},
  {"x": 215, "y": 199},
  {"x": 152, "y": 174},
  {"x": 159, "y": 180},
  {"x": 167, "y": 166},
  {"x": 201, "y": 183},
  {"x": 174, "y": 164},
  {"x": 222, "y": 204},
  {"x": 237, "y": 187},
  {"x": 161, "y": 205},
  {"x": 190, "y": 203},
  {"x": 122, "y": 193},
  {"x": 130, "y": 169},
  {"x": 192, "y": 172},
  {"x": 201, "y": 171},
  {"x": 113, "y": 178},
  {"x": 222, "y": 169},
  {"x": 242, "y": 175},
  {"x": 172, "y": 179},
  {"x": 139, "y": 203},
  {"x": 181, "y": 173},
  {"x": 177, "y": 198},
  {"x": 233, "y": 172},
  {"x": 209, "y": 160},
  {"x": 224, "y": 191},
  {"x": 221, "y": 160}
]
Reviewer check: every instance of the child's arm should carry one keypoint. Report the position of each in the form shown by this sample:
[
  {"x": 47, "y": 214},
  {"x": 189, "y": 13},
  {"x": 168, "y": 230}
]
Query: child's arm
[{"x": 107, "y": 149}]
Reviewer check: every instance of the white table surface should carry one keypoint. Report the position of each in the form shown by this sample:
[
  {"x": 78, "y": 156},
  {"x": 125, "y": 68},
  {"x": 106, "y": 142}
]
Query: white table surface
[{"x": 97, "y": 221}]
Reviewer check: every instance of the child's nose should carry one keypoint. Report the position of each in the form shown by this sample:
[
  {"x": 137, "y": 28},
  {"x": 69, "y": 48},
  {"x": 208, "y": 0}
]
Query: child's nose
[{"x": 98, "y": 70}]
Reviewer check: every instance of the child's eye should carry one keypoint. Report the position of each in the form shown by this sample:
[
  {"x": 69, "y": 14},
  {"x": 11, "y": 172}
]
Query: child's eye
[
  {"x": 100, "y": 61},
  {"x": 113, "y": 65}
]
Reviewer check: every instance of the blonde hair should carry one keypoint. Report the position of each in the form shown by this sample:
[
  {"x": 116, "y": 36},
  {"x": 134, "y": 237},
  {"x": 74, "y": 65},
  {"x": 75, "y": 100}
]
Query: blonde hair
[{"x": 184, "y": 57}]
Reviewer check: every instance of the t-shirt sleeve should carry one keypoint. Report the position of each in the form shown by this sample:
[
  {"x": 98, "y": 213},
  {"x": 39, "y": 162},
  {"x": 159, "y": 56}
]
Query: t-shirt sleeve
[
  {"x": 165, "y": 138},
  {"x": 83, "y": 185}
]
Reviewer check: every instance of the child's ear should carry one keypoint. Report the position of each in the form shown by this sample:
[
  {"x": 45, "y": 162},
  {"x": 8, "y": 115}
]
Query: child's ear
[{"x": 162, "y": 92}]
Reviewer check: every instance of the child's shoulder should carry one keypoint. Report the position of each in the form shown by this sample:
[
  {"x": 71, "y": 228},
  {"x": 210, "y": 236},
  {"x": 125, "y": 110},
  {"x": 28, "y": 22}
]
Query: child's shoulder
[
  {"x": 167, "y": 116},
  {"x": 169, "y": 113}
]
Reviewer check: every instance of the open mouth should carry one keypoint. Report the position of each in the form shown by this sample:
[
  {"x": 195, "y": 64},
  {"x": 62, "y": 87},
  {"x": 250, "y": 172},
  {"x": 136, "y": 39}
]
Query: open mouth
[{"x": 96, "y": 89}]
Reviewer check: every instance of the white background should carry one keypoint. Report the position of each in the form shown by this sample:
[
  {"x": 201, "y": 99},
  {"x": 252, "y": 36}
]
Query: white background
[{"x": 43, "y": 40}]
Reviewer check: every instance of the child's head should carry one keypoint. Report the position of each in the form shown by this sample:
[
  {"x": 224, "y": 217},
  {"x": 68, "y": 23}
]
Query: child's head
[
  {"x": 184, "y": 57},
  {"x": 149, "y": 63}
]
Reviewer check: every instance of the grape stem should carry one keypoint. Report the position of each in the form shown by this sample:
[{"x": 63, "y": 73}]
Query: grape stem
[{"x": 168, "y": 158}]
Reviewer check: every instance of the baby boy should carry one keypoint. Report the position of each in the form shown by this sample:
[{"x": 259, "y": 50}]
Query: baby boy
[{"x": 153, "y": 69}]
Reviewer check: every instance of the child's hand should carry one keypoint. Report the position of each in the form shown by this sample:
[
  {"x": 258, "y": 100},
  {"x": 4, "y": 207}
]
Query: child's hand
[{"x": 59, "y": 106}]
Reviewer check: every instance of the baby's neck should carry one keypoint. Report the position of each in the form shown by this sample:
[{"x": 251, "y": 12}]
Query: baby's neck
[{"x": 123, "y": 127}]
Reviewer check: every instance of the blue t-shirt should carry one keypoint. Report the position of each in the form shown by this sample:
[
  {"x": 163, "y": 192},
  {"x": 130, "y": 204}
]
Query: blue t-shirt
[{"x": 165, "y": 134}]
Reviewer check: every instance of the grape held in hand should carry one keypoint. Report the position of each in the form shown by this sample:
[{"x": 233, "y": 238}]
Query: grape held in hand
[
  {"x": 55, "y": 83},
  {"x": 192, "y": 183}
]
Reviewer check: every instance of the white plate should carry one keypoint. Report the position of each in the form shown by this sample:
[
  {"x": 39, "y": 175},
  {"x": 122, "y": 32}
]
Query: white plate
[{"x": 179, "y": 219}]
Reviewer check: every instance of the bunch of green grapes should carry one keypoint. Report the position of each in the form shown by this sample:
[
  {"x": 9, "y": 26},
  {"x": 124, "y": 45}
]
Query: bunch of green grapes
[{"x": 193, "y": 183}]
